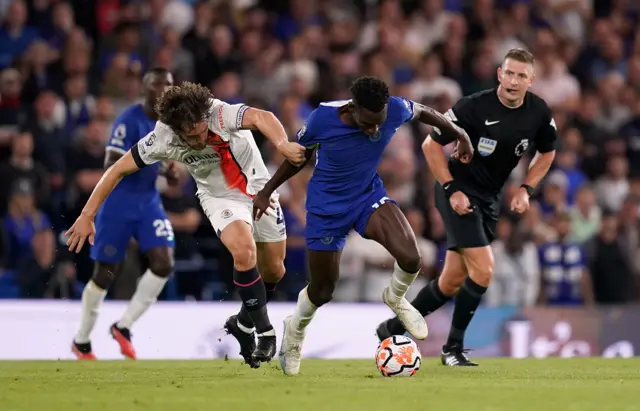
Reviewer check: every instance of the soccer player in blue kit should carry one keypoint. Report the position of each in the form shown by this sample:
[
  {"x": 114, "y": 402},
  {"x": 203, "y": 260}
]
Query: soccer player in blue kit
[
  {"x": 347, "y": 193},
  {"x": 134, "y": 209}
]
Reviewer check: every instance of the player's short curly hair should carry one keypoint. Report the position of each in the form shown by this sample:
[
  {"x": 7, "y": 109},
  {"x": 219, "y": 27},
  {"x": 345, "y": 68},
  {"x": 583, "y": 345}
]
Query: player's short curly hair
[
  {"x": 370, "y": 93},
  {"x": 181, "y": 107}
]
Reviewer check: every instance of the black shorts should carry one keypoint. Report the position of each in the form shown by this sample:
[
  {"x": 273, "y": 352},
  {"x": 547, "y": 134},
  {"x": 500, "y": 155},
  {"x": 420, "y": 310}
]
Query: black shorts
[{"x": 476, "y": 229}]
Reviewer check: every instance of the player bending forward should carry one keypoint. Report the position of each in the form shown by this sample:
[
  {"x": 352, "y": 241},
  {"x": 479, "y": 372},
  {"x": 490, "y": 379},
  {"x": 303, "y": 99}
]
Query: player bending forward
[
  {"x": 346, "y": 193},
  {"x": 213, "y": 140},
  {"x": 143, "y": 219},
  {"x": 503, "y": 123}
]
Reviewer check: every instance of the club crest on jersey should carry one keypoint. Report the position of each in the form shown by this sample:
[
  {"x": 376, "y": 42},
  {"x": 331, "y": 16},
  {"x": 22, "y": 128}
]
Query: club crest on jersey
[
  {"x": 486, "y": 146},
  {"x": 226, "y": 213},
  {"x": 522, "y": 147}
]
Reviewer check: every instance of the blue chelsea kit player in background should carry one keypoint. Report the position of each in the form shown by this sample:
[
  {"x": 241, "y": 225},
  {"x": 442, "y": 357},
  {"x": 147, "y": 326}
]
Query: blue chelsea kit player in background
[
  {"x": 347, "y": 193},
  {"x": 133, "y": 210}
]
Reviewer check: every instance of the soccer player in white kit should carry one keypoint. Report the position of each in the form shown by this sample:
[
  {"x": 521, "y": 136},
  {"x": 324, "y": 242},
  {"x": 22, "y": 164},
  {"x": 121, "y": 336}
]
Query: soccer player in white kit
[{"x": 212, "y": 139}]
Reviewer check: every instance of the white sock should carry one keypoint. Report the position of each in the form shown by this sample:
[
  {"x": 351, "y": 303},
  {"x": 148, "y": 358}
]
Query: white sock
[
  {"x": 92, "y": 297},
  {"x": 400, "y": 282},
  {"x": 149, "y": 288},
  {"x": 303, "y": 313}
]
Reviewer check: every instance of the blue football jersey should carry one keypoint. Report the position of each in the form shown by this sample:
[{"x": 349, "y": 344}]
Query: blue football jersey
[
  {"x": 136, "y": 192},
  {"x": 346, "y": 158},
  {"x": 562, "y": 266}
]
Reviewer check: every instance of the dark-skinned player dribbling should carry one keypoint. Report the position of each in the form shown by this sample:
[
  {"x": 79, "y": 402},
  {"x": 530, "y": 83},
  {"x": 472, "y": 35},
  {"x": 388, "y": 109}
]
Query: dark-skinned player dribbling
[
  {"x": 503, "y": 123},
  {"x": 347, "y": 193}
]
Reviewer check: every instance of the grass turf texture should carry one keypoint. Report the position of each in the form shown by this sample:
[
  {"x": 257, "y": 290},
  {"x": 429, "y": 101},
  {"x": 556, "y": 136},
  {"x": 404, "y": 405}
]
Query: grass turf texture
[{"x": 498, "y": 384}]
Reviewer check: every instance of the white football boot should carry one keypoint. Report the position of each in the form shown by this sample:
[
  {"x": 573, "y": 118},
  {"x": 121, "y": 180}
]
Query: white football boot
[
  {"x": 411, "y": 318},
  {"x": 291, "y": 348}
]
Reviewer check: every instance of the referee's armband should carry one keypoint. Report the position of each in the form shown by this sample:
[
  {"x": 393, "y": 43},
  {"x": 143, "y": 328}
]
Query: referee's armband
[{"x": 450, "y": 187}]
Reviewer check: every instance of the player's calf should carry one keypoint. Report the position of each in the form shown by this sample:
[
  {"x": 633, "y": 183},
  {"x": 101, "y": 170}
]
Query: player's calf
[{"x": 238, "y": 239}]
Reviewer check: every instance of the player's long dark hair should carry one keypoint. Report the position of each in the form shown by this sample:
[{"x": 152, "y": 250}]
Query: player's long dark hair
[
  {"x": 181, "y": 107},
  {"x": 370, "y": 93}
]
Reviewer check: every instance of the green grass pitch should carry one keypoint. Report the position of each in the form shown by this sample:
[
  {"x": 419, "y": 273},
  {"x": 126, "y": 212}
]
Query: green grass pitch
[{"x": 497, "y": 385}]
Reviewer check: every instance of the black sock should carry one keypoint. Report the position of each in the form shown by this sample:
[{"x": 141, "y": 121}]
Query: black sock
[
  {"x": 429, "y": 299},
  {"x": 254, "y": 298},
  {"x": 243, "y": 315},
  {"x": 467, "y": 301}
]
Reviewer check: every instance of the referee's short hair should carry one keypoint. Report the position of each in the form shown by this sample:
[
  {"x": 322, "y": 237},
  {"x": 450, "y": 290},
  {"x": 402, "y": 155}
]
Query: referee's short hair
[{"x": 520, "y": 55}]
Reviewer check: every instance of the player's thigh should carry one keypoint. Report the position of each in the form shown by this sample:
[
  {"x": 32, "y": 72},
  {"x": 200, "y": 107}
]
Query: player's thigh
[
  {"x": 453, "y": 273},
  {"x": 463, "y": 231},
  {"x": 111, "y": 240},
  {"x": 388, "y": 226},
  {"x": 156, "y": 241},
  {"x": 233, "y": 223}
]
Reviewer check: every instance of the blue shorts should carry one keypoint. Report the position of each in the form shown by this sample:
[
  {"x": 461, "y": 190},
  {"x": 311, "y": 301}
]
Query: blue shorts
[
  {"x": 153, "y": 229},
  {"x": 329, "y": 233}
]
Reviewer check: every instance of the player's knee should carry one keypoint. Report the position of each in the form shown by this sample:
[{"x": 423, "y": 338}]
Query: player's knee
[
  {"x": 482, "y": 274},
  {"x": 319, "y": 295},
  {"x": 103, "y": 275},
  {"x": 450, "y": 284},
  {"x": 272, "y": 270},
  {"x": 244, "y": 255},
  {"x": 410, "y": 261},
  {"x": 161, "y": 268}
]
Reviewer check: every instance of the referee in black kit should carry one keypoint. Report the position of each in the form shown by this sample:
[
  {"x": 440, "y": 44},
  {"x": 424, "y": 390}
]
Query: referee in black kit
[{"x": 503, "y": 123}]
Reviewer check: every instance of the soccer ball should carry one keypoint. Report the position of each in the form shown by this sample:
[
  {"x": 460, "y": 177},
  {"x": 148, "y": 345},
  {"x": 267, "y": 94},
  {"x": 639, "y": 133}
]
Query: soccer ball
[{"x": 398, "y": 356}]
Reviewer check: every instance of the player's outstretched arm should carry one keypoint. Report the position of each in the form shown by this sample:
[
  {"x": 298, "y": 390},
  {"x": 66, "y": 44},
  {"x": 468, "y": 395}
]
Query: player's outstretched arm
[
  {"x": 269, "y": 125},
  {"x": 83, "y": 228},
  {"x": 427, "y": 115}
]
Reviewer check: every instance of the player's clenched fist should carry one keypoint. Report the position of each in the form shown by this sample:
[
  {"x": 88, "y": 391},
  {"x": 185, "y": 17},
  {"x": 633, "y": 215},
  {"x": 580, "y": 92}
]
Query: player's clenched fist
[
  {"x": 293, "y": 152},
  {"x": 82, "y": 229},
  {"x": 460, "y": 203},
  {"x": 262, "y": 202},
  {"x": 520, "y": 201}
]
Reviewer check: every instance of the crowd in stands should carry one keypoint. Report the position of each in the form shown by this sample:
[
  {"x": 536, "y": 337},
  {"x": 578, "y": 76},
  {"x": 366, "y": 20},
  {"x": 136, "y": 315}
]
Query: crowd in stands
[{"x": 68, "y": 68}]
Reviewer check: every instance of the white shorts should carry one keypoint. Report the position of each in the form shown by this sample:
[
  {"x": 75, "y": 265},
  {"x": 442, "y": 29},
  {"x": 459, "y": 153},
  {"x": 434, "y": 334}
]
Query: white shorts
[{"x": 223, "y": 211}]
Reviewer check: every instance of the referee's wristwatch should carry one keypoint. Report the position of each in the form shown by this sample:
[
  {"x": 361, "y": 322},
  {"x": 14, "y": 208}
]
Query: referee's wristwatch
[{"x": 528, "y": 188}]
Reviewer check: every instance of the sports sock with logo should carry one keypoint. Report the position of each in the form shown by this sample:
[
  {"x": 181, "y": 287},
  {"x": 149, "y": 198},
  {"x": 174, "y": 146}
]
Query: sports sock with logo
[
  {"x": 244, "y": 320},
  {"x": 254, "y": 299},
  {"x": 467, "y": 302}
]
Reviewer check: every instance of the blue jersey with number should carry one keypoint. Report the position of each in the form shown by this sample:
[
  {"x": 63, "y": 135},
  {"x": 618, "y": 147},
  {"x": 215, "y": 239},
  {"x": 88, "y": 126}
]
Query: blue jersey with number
[
  {"x": 562, "y": 266},
  {"x": 347, "y": 159},
  {"x": 136, "y": 192}
]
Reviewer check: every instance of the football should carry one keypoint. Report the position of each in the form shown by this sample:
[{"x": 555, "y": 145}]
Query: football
[{"x": 398, "y": 356}]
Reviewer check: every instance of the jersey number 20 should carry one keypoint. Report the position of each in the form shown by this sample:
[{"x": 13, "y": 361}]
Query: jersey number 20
[{"x": 380, "y": 202}]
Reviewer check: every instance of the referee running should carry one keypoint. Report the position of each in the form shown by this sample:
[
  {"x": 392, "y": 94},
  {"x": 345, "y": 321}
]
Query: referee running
[{"x": 503, "y": 123}]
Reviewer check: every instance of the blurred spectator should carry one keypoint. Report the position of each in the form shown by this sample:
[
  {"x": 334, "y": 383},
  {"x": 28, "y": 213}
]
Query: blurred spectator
[
  {"x": 554, "y": 193},
  {"x": 85, "y": 163},
  {"x": 22, "y": 167},
  {"x": 565, "y": 275},
  {"x": 31, "y": 241},
  {"x": 585, "y": 215},
  {"x": 613, "y": 187},
  {"x": 516, "y": 276},
  {"x": 11, "y": 108},
  {"x": 15, "y": 35},
  {"x": 611, "y": 272}
]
